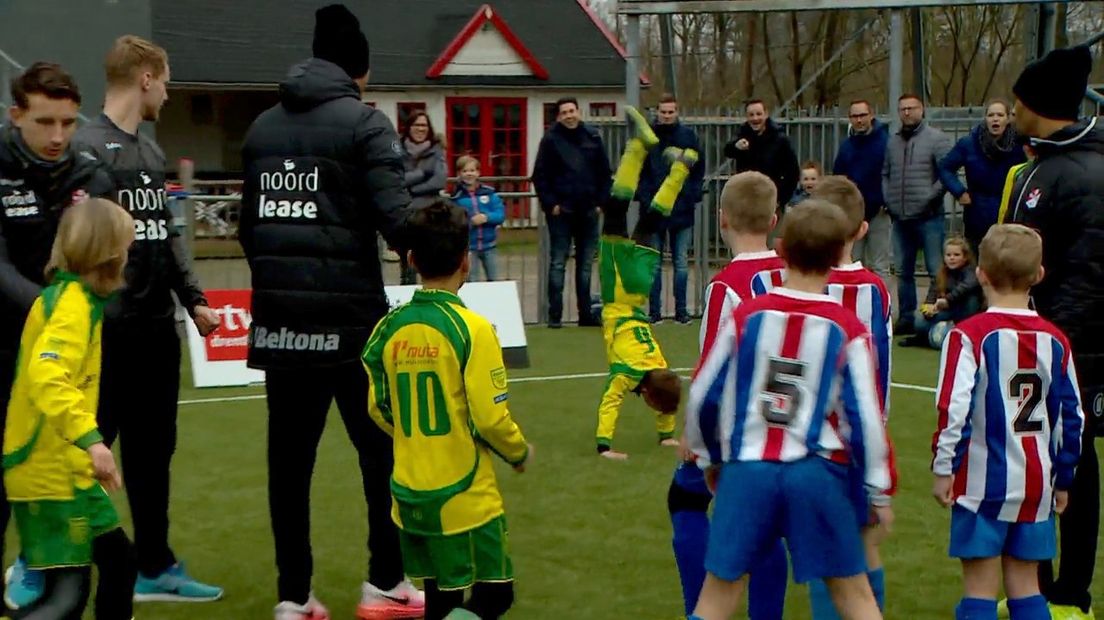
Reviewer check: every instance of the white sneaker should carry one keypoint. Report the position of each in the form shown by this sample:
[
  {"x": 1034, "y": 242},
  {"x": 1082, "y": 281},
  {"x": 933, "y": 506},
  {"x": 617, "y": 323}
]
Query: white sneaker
[
  {"x": 401, "y": 602},
  {"x": 313, "y": 610}
]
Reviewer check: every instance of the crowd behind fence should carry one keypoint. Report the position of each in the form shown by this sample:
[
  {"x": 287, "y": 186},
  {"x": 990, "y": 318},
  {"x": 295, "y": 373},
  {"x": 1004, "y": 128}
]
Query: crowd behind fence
[{"x": 816, "y": 136}]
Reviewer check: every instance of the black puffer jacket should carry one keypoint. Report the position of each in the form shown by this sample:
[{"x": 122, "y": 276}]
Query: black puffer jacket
[
  {"x": 323, "y": 174},
  {"x": 770, "y": 153},
  {"x": 33, "y": 194},
  {"x": 1062, "y": 197},
  {"x": 158, "y": 261}
]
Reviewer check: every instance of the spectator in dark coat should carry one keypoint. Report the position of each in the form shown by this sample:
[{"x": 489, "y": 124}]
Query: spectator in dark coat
[
  {"x": 426, "y": 173},
  {"x": 987, "y": 153},
  {"x": 678, "y": 229},
  {"x": 1062, "y": 196},
  {"x": 860, "y": 159},
  {"x": 761, "y": 145},
  {"x": 572, "y": 178}
]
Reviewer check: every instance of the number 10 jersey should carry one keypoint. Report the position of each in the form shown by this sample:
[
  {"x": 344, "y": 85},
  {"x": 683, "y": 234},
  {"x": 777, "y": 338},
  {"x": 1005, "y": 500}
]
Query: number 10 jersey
[{"x": 768, "y": 386}]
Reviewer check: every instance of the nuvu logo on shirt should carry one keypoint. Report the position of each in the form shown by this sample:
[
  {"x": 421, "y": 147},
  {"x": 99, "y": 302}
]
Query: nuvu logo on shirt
[
  {"x": 113, "y": 146},
  {"x": 288, "y": 340},
  {"x": 290, "y": 179}
]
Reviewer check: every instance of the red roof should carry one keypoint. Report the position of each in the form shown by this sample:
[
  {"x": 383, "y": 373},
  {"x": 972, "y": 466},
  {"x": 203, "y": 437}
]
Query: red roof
[{"x": 483, "y": 15}]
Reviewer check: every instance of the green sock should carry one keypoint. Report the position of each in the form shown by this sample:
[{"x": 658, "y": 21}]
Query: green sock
[
  {"x": 627, "y": 176},
  {"x": 461, "y": 614}
]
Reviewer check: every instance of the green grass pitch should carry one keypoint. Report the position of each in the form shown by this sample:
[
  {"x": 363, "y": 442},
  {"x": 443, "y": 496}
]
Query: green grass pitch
[{"x": 590, "y": 538}]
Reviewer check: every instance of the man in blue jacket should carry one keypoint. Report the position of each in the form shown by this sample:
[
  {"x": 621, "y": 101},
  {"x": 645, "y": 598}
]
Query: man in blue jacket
[
  {"x": 678, "y": 228},
  {"x": 572, "y": 178},
  {"x": 860, "y": 159}
]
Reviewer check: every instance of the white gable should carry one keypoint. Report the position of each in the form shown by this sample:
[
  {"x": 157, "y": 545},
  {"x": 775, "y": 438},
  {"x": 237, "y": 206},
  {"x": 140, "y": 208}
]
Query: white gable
[{"x": 487, "y": 53}]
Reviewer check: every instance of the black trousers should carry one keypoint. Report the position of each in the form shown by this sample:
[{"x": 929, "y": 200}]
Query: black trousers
[
  {"x": 298, "y": 401},
  {"x": 1078, "y": 528},
  {"x": 139, "y": 387}
]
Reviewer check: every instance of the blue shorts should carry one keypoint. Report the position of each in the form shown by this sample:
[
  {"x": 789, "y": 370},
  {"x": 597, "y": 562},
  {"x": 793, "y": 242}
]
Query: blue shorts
[
  {"x": 975, "y": 536},
  {"x": 692, "y": 479},
  {"x": 807, "y": 502}
]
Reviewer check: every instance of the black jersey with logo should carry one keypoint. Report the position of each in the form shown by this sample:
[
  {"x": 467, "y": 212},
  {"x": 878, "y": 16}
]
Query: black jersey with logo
[
  {"x": 158, "y": 262},
  {"x": 33, "y": 195}
]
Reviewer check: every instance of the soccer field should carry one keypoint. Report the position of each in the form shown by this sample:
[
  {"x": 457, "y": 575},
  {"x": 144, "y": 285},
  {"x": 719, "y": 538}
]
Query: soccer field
[{"x": 590, "y": 538}]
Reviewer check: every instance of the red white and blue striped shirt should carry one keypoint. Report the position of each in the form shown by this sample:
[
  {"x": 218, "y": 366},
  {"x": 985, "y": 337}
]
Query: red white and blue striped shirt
[
  {"x": 749, "y": 275},
  {"x": 863, "y": 292},
  {"x": 765, "y": 389},
  {"x": 1010, "y": 417}
]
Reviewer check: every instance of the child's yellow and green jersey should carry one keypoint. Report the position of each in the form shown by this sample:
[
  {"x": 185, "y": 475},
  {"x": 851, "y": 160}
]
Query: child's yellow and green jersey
[
  {"x": 58, "y": 505},
  {"x": 52, "y": 412},
  {"x": 437, "y": 385},
  {"x": 627, "y": 270}
]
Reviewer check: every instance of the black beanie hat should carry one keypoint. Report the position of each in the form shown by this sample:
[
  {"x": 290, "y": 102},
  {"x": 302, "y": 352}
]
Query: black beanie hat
[
  {"x": 338, "y": 39},
  {"x": 1054, "y": 86}
]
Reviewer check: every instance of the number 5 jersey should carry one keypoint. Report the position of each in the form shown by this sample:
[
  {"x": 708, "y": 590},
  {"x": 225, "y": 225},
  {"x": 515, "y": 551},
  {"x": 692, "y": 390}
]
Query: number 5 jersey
[
  {"x": 437, "y": 385},
  {"x": 766, "y": 388},
  {"x": 1010, "y": 417}
]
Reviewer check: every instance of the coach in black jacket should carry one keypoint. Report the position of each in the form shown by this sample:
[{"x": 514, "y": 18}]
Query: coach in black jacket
[
  {"x": 762, "y": 146},
  {"x": 323, "y": 174},
  {"x": 40, "y": 175},
  {"x": 1062, "y": 196}
]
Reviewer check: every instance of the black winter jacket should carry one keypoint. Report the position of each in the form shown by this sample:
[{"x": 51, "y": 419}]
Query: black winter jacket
[
  {"x": 1062, "y": 197},
  {"x": 770, "y": 153},
  {"x": 323, "y": 174},
  {"x": 158, "y": 262},
  {"x": 33, "y": 194},
  {"x": 572, "y": 170}
]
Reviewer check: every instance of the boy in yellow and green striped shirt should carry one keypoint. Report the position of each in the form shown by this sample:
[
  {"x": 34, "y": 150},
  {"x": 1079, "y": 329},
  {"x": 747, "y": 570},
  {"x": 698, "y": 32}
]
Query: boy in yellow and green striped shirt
[
  {"x": 437, "y": 385},
  {"x": 627, "y": 267}
]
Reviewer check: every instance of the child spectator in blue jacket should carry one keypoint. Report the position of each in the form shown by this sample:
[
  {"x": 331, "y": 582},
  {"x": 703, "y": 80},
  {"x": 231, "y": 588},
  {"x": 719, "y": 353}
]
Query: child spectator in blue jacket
[{"x": 485, "y": 212}]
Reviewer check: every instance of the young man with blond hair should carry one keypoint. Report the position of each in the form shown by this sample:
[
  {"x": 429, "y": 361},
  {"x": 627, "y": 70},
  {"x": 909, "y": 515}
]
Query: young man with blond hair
[{"x": 141, "y": 351}]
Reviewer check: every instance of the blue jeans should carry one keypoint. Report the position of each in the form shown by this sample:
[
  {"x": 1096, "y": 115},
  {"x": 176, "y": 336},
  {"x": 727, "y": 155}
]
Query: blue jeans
[
  {"x": 680, "y": 250},
  {"x": 488, "y": 259},
  {"x": 909, "y": 237},
  {"x": 563, "y": 230}
]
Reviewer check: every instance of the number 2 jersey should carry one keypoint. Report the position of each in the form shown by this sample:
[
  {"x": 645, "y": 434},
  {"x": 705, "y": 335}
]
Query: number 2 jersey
[
  {"x": 437, "y": 384},
  {"x": 1010, "y": 416},
  {"x": 765, "y": 389}
]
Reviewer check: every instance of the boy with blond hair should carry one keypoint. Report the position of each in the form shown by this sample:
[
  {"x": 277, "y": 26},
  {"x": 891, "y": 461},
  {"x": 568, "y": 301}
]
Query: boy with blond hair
[
  {"x": 747, "y": 214},
  {"x": 1009, "y": 433},
  {"x": 863, "y": 292},
  {"x": 763, "y": 427}
]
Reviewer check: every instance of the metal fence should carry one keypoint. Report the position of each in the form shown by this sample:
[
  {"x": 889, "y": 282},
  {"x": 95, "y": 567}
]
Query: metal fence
[{"x": 524, "y": 247}]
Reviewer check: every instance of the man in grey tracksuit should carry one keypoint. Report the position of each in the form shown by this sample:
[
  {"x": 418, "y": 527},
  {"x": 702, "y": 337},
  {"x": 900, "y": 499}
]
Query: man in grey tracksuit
[{"x": 914, "y": 199}]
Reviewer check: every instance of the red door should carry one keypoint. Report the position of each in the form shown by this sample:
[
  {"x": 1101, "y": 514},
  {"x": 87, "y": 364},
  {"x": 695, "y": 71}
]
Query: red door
[{"x": 491, "y": 129}]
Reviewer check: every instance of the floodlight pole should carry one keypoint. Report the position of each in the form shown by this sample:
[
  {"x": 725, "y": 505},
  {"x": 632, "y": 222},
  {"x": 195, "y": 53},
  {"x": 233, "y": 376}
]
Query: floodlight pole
[
  {"x": 666, "y": 41},
  {"x": 896, "y": 57},
  {"x": 632, "y": 64}
]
